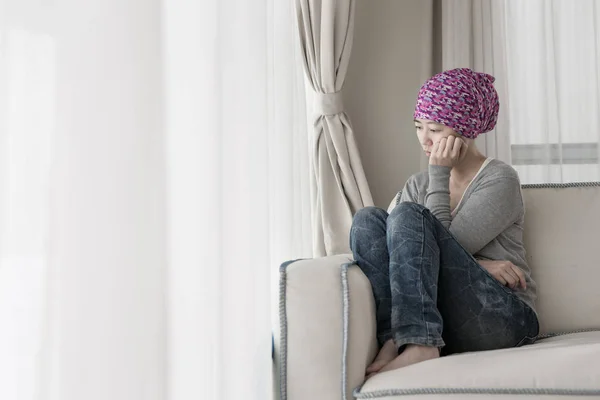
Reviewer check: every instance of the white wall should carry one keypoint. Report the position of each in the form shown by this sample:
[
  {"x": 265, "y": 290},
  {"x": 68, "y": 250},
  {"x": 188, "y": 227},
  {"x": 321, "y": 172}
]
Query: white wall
[{"x": 391, "y": 58}]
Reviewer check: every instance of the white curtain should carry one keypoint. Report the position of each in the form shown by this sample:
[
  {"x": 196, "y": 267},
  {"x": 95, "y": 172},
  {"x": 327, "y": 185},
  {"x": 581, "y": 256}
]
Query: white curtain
[
  {"x": 473, "y": 36},
  {"x": 545, "y": 55},
  {"x": 339, "y": 186},
  {"x": 554, "y": 87},
  {"x": 153, "y": 174}
]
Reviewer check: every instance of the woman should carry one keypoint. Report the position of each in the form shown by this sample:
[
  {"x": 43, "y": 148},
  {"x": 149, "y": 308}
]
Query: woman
[{"x": 447, "y": 264}]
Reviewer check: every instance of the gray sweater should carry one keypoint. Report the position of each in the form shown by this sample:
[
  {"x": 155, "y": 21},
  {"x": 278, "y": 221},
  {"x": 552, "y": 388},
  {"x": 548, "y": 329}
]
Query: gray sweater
[{"x": 488, "y": 221}]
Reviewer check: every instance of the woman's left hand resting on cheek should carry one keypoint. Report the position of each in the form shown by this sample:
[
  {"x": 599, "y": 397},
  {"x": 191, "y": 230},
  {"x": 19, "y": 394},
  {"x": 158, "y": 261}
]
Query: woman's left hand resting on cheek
[{"x": 448, "y": 151}]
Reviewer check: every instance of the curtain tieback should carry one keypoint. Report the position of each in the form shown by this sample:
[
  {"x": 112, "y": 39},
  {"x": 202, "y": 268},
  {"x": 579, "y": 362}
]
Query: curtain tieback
[{"x": 329, "y": 103}]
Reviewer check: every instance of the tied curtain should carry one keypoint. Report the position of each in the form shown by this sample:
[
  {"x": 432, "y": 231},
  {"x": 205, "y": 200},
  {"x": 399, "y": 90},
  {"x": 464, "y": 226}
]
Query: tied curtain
[{"x": 338, "y": 184}]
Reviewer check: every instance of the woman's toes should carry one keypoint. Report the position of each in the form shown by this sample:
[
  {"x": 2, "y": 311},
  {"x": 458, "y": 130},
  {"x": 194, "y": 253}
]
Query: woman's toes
[{"x": 376, "y": 366}]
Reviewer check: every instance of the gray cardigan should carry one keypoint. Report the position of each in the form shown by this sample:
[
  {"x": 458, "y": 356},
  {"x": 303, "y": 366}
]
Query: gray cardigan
[{"x": 488, "y": 221}]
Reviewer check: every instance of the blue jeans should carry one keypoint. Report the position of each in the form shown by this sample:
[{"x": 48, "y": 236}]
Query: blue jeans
[{"x": 429, "y": 290}]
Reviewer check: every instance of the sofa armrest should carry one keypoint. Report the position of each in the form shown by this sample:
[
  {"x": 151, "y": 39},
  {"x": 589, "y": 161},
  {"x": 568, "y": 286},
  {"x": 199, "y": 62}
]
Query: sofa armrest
[{"x": 326, "y": 334}]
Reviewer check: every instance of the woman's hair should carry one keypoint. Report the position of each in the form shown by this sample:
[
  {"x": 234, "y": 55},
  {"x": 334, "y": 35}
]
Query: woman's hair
[{"x": 462, "y": 99}]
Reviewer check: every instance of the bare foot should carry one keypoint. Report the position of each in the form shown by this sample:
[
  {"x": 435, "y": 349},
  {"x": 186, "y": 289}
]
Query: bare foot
[
  {"x": 413, "y": 354},
  {"x": 387, "y": 353}
]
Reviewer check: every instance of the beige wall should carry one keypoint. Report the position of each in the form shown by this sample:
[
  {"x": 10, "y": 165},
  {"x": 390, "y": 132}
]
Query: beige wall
[{"x": 391, "y": 57}]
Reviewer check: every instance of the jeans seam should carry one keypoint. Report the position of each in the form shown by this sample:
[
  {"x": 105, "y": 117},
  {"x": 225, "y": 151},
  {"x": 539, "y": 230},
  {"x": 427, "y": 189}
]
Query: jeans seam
[
  {"x": 421, "y": 288},
  {"x": 525, "y": 337}
]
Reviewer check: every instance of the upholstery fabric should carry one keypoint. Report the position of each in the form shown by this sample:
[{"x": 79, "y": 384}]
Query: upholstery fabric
[
  {"x": 561, "y": 238},
  {"x": 326, "y": 333},
  {"x": 569, "y": 362}
]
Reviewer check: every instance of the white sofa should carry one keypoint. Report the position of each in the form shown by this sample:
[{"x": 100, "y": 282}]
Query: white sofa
[{"x": 325, "y": 335}]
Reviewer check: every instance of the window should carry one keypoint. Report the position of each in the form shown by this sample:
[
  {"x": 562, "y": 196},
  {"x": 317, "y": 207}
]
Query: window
[{"x": 553, "y": 70}]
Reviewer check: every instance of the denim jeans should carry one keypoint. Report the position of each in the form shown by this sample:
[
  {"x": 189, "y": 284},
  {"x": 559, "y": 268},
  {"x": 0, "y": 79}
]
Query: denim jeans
[{"x": 429, "y": 290}]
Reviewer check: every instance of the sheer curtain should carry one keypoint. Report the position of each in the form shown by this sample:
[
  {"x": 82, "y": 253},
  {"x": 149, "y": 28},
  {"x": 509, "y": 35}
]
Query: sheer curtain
[
  {"x": 554, "y": 86},
  {"x": 153, "y": 174},
  {"x": 545, "y": 55},
  {"x": 238, "y": 187}
]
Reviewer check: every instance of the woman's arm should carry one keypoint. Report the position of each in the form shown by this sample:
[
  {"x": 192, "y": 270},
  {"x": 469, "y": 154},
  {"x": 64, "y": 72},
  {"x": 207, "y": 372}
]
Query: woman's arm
[
  {"x": 408, "y": 193},
  {"x": 495, "y": 205},
  {"x": 437, "y": 198}
]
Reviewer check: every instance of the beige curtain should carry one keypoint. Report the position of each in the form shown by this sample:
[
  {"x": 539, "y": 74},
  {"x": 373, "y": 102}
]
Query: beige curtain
[
  {"x": 338, "y": 186},
  {"x": 473, "y": 36}
]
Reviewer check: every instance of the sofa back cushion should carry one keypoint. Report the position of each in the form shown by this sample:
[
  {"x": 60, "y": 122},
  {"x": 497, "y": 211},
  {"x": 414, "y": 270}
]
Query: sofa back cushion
[{"x": 562, "y": 239}]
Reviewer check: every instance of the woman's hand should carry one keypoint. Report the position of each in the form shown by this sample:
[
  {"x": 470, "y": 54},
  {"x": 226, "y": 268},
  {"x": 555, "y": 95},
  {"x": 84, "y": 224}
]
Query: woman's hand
[
  {"x": 505, "y": 272},
  {"x": 448, "y": 151}
]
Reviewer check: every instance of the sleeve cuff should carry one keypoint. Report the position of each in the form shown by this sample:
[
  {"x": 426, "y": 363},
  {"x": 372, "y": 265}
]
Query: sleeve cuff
[{"x": 439, "y": 178}]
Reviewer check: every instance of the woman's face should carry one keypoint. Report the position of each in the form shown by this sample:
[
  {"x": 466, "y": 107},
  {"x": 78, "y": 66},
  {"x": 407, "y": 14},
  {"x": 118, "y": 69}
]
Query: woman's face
[{"x": 430, "y": 132}]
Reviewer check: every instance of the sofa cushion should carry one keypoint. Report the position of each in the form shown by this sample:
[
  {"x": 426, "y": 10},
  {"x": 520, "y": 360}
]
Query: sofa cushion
[
  {"x": 568, "y": 365},
  {"x": 563, "y": 246}
]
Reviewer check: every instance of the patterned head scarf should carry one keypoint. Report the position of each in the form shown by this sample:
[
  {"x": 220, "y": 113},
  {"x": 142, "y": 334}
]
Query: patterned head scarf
[{"x": 462, "y": 99}]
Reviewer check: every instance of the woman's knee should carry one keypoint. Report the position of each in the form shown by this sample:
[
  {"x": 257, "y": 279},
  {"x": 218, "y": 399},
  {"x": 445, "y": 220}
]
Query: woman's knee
[
  {"x": 369, "y": 215},
  {"x": 404, "y": 208},
  {"x": 368, "y": 225}
]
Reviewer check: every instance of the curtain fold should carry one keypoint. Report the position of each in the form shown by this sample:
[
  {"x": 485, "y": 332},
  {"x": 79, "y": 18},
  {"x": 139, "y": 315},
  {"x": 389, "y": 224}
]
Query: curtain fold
[{"x": 338, "y": 184}]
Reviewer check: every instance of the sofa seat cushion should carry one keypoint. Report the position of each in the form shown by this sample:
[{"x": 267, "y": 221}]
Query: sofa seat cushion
[{"x": 568, "y": 365}]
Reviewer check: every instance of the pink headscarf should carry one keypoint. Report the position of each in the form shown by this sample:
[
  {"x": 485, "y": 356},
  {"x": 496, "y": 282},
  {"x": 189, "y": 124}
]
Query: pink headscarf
[{"x": 462, "y": 99}]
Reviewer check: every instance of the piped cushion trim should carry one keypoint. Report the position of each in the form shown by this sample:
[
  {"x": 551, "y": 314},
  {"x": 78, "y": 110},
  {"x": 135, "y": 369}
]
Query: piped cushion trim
[
  {"x": 492, "y": 391},
  {"x": 283, "y": 331},
  {"x": 346, "y": 322},
  {"x": 559, "y": 185}
]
